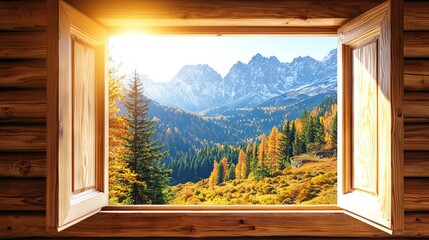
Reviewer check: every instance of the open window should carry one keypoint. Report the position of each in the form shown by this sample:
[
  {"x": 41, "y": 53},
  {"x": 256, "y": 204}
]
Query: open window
[
  {"x": 81, "y": 188},
  {"x": 369, "y": 99},
  {"x": 367, "y": 146}
]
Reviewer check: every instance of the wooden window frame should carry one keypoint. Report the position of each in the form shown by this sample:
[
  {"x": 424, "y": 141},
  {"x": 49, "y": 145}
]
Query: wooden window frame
[{"x": 209, "y": 221}]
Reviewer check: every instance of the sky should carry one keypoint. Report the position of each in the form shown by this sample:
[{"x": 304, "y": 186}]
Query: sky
[{"x": 161, "y": 57}]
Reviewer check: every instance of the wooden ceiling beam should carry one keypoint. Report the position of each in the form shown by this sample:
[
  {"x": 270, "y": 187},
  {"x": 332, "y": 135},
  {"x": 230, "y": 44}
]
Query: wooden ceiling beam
[{"x": 268, "y": 13}]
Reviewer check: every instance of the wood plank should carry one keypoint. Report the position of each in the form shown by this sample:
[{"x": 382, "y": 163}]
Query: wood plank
[
  {"x": 111, "y": 13},
  {"x": 220, "y": 224},
  {"x": 227, "y": 30},
  {"x": 416, "y": 224},
  {"x": 23, "y": 106},
  {"x": 23, "y": 73},
  {"x": 26, "y": 194},
  {"x": 365, "y": 122},
  {"x": 22, "y": 138},
  {"x": 416, "y": 44},
  {"x": 23, "y": 164},
  {"x": 32, "y": 224},
  {"x": 416, "y": 194},
  {"x": 22, "y": 224},
  {"x": 416, "y": 75},
  {"x": 397, "y": 130},
  {"x": 416, "y": 96},
  {"x": 416, "y": 164},
  {"x": 15, "y": 45},
  {"x": 83, "y": 117},
  {"x": 23, "y": 15},
  {"x": 52, "y": 117},
  {"x": 416, "y": 137},
  {"x": 416, "y": 109},
  {"x": 416, "y": 17}
]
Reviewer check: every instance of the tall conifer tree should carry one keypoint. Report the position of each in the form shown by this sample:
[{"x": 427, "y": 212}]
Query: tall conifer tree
[{"x": 145, "y": 154}]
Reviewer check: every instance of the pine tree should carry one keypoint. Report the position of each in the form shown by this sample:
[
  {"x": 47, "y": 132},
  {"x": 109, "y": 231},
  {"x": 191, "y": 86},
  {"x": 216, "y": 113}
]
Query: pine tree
[
  {"x": 248, "y": 167},
  {"x": 319, "y": 135},
  {"x": 220, "y": 173},
  {"x": 145, "y": 154},
  {"x": 298, "y": 146},
  {"x": 238, "y": 168},
  {"x": 285, "y": 145},
  {"x": 334, "y": 130},
  {"x": 121, "y": 178},
  {"x": 273, "y": 150},
  {"x": 231, "y": 172}
]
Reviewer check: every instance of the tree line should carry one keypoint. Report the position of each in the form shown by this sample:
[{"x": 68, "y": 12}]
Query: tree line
[{"x": 310, "y": 133}]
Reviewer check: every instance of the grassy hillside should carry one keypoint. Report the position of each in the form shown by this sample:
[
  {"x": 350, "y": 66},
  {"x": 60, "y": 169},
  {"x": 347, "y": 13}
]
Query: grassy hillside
[{"x": 314, "y": 182}]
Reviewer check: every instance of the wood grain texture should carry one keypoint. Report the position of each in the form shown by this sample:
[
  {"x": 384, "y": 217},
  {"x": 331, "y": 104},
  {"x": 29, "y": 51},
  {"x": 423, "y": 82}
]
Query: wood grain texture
[
  {"x": 416, "y": 44},
  {"x": 365, "y": 122},
  {"x": 221, "y": 13},
  {"x": 416, "y": 75},
  {"x": 22, "y": 224},
  {"x": 416, "y": 194},
  {"x": 32, "y": 224},
  {"x": 146, "y": 224},
  {"x": 23, "y": 73},
  {"x": 23, "y": 164},
  {"x": 23, "y": 106},
  {"x": 415, "y": 110},
  {"x": 416, "y": 224},
  {"x": 416, "y": 137},
  {"x": 416, "y": 15},
  {"x": 416, "y": 164},
  {"x": 227, "y": 30},
  {"x": 396, "y": 109},
  {"x": 22, "y": 194},
  {"x": 52, "y": 116},
  {"x": 22, "y": 138},
  {"x": 189, "y": 224},
  {"x": 23, "y": 15},
  {"x": 15, "y": 45},
  {"x": 83, "y": 117}
]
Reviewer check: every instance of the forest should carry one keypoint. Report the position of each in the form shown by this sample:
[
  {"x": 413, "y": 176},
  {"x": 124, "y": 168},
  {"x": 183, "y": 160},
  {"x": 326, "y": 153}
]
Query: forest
[{"x": 294, "y": 163}]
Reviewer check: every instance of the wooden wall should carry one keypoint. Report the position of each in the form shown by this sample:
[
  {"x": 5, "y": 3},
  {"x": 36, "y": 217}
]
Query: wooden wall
[
  {"x": 23, "y": 70},
  {"x": 416, "y": 113},
  {"x": 23, "y": 54}
]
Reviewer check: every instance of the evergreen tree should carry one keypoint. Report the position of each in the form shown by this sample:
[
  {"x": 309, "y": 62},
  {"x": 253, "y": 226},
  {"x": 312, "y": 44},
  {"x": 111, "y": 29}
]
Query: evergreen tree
[
  {"x": 285, "y": 145},
  {"x": 334, "y": 130},
  {"x": 145, "y": 155},
  {"x": 298, "y": 146},
  {"x": 121, "y": 178},
  {"x": 220, "y": 173},
  {"x": 231, "y": 172},
  {"x": 246, "y": 169},
  {"x": 319, "y": 136}
]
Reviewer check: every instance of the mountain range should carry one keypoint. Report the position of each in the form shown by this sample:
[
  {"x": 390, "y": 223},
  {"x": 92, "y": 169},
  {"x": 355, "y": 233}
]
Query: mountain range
[
  {"x": 199, "y": 108},
  {"x": 262, "y": 82}
]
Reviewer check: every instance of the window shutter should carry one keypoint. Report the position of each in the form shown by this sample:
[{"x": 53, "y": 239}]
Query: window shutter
[
  {"x": 370, "y": 186},
  {"x": 81, "y": 163}
]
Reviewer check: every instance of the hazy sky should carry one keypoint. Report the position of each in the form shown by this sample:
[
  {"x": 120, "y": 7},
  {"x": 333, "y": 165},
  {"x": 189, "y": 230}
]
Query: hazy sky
[{"x": 161, "y": 57}]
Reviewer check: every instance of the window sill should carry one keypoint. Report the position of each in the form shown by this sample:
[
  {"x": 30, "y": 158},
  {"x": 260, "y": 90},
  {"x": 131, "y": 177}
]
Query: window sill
[{"x": 129, "y": 221}]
